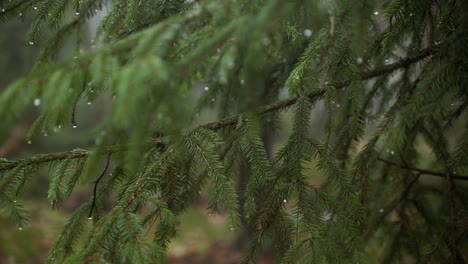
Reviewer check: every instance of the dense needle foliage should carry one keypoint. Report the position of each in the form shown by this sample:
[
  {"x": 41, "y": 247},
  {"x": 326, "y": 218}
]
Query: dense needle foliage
[{"x": 386, "y": 76}]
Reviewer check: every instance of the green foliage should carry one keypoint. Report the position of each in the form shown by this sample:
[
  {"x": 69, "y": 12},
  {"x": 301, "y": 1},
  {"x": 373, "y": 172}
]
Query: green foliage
[{"x": 351, "y": 189}]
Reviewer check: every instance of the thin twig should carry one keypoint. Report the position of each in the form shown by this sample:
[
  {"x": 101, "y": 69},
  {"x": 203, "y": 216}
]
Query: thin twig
[
  {"x": 75, "y": 103},
  {"x": 426, "y": 172},
  {"x": 93, "y": 204}
]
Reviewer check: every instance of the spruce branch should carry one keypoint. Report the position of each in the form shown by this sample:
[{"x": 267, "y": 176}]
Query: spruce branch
[
  {"x": 229, "y": 121},
  {"x": 425, "y": 171}
]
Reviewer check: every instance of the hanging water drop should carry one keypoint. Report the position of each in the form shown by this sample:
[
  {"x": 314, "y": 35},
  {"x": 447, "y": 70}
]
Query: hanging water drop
[
  {"x": 29, "y": 142},
  {"x": 37, "y": 102},
  {"x": 89, "y": 103},
  {"x": 213, "y": 99},
  {"x": 381, "y": 210},
  {"x": 31, "y": 43},
  {"x": 35, "y": 8},
  {"x": 242, "y": 82},
  {"x": 285, "y": 201},
  {"x": 376, "y": 13},
  {"x": 20, "y": 14},
  {"x": 307, "y": 33},
  {"x": 20, "y": 228},
  {"x": 207, "y": 88},
  {"x": 359, "y": 60},
  {"x": 90, "y": 218},
  {"x": 74, "y": 126},
  {"x": 392, "y": 152},
  {"x": 77, "y": 13},
  {"x": 338, "y": 106}
]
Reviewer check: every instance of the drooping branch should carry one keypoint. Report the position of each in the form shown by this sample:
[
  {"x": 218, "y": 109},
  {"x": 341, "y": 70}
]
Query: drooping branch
[
  {"x": 425, "y": 171},
  {"x": 226, "y": 122}
]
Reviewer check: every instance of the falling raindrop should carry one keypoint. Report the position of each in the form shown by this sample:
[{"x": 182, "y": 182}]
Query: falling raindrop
[
  {"x": 307, "y": 33},
  {"x": 37, "y": 102},
  {"x": 207, "y": 88}
]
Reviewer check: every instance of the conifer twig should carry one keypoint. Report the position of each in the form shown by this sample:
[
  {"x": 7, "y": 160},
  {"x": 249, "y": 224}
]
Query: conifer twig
[
  {"x": 425, "y": 171},
  {"x": 93, "y": 204}
]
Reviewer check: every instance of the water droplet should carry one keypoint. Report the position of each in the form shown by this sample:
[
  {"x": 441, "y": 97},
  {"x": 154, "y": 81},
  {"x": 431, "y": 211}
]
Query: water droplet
[
  {"x": 387, "y": 60},
  {"x": 231, "y": 228},
  {"x": 307, "y": 33},
  {"x": 95, "y": 10},
  {"x": 392, "y": 152},
  {"x": 90, "y": 218},
  {"x": 285, "y": 201},
  {"x": 242, "y": 82},
  {"x": 59, "y": 126},
  {"x": 359, "y": 60},
  {"x": 31, "y": 43},
  {"x": 376, "y": 13},
  {"x": 45, "y": 134},
  {"x": 381, "y": 210},
  {"x": 338, "y": 106},
  {"x": 20, "y": 228},
  {"x": 213, "y": 99},
  {"x": 207, "y": 88},
  {"x": 74, "y": 126},
  {"x": 37, "y": 102},
  {"x": 14, "y": 201},
  {"x": 77, "y": 13},
  {"x": 332, "y": 102},
  {"x": 20, "y": 14},
  {"x": 411, "y": 14},
  {"x": 89, "y": 103},
  {"x": 29, "y": 142},
  {"x": 3, "y": 9},
  {"x": 35, "y": 8}
]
